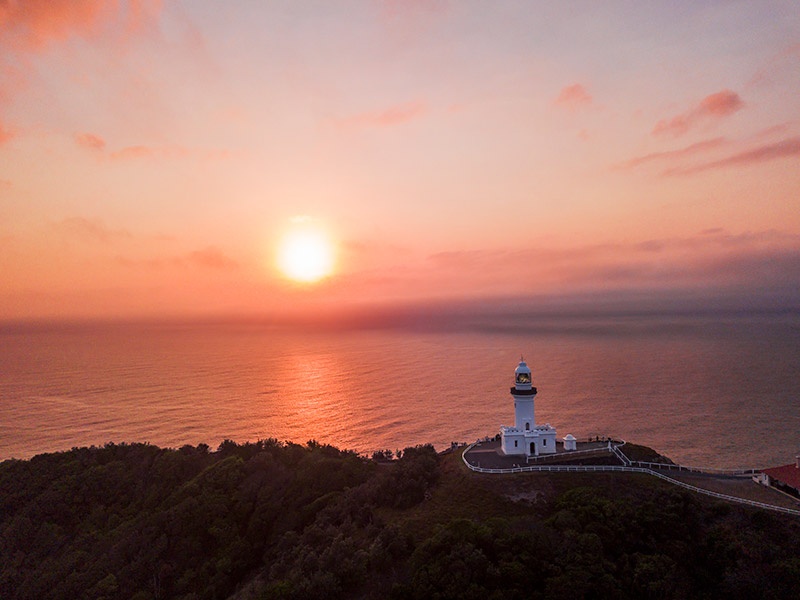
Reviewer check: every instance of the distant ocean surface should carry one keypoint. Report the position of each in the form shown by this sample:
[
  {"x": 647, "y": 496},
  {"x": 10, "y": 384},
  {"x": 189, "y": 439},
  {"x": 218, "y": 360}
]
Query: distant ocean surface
[{"x": 717, "y": 392}]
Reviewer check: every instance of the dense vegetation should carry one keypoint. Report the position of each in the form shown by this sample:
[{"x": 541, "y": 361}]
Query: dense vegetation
[{"x": 276, "y": 520}]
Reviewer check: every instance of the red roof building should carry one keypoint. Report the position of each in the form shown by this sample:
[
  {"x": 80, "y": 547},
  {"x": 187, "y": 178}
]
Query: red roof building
[{"x": 787, "y": 476}]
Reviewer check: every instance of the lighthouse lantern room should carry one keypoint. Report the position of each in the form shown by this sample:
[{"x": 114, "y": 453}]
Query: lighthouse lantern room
[{"x": 525, "y": 437}]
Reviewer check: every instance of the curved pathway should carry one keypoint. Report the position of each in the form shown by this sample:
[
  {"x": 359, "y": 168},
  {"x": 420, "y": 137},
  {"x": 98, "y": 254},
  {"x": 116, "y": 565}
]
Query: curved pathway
[{"x": 628, "y": 468}]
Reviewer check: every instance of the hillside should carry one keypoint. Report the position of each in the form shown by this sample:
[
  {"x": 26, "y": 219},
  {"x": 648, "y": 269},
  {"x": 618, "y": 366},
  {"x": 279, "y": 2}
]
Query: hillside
[{"x": 277, "y": 520}]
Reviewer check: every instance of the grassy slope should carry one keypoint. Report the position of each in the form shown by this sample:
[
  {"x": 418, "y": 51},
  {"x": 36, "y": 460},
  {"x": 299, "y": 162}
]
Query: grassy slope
[{"x": 462, "y": 493}]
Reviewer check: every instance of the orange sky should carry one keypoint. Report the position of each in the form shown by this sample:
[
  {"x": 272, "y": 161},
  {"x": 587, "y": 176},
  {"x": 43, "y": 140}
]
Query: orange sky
[{"x": 152, "y": 154}]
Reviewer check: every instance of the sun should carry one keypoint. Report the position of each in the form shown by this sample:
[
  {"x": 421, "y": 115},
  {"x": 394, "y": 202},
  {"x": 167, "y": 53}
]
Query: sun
[{"x": 306, "y": 255}]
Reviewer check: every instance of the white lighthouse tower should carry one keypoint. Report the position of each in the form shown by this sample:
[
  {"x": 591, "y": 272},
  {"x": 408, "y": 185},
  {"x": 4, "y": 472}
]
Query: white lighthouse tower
[
  {"x": 524, "y": 394},
  {"x": 526, "y": 437}
]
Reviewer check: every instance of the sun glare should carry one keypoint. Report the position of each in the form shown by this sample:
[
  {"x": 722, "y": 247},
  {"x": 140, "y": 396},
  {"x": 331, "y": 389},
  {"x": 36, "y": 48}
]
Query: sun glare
[{"x": 306, "y": 255}]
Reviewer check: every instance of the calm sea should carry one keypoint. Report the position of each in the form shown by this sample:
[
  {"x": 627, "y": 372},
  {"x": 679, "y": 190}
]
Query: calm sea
[{"x": 721, "y": 392}]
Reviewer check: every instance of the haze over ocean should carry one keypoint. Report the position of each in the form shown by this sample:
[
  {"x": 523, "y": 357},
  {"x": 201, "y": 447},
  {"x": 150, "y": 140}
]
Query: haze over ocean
[{"x": 706, "y": 391}]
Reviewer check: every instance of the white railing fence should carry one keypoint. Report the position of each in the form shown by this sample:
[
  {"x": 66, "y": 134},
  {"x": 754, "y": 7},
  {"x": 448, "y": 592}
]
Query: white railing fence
[
  {"x": 702, "y": 470},
  {"x": 625, "y": 469}
]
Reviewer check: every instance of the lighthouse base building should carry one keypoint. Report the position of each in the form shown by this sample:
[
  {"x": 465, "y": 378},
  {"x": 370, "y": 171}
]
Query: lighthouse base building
[
  {"x": 526, "y": 438},
  {"x": 539, "y": 440}
]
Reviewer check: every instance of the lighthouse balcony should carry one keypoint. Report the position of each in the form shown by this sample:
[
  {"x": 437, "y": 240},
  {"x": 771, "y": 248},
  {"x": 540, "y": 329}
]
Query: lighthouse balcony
[
  {"x": 518, "y": 392},
  {"x": 534, "y": 431}
]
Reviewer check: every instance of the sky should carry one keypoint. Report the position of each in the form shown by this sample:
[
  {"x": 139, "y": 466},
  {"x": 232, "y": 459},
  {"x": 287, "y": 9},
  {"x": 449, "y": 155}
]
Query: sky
[{"x": 153, "y": 154}]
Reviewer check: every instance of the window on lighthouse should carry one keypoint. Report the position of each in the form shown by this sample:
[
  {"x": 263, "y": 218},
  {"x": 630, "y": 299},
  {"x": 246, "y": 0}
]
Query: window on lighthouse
[
  {"x": 523, "y": 378},
  {"x": 527, "y": 426}
]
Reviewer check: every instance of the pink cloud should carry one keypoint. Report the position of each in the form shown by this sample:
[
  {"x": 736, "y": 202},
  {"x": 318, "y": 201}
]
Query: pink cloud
[
  {"x": 90, "y": 141},
  {"x": 30, "y": 25},
  {"x": 714, "y": 106},
  {"x": 132, "y": 152},
  {"x": 5, "y": 134},
  {"x": 680, "y": 153},
  {"x": 96, "y": 143},
  {"x": 391, "y": 116},
  {"x": 783, "y": 149},
  {"x": 574, "y": 97},
  {"x": 771, "y": 131},
  {"x": 720, "y": 104}
]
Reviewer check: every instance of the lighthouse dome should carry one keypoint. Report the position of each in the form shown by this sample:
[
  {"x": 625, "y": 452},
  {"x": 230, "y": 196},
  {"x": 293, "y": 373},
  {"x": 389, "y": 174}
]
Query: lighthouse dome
[{"x": 522, "y": 376}]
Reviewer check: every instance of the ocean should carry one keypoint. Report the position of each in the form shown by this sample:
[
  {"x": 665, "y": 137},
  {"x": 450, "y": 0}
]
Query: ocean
[{"x": 710, "y": 391}]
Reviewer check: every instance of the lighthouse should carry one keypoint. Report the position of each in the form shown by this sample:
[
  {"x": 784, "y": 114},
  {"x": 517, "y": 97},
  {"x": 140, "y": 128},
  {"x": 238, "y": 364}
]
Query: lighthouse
[{"x": 526, "y": 437}]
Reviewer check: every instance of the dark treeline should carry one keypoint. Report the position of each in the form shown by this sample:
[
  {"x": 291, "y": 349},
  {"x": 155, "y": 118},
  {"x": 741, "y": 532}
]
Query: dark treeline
[{"x": 279, "y": 520}]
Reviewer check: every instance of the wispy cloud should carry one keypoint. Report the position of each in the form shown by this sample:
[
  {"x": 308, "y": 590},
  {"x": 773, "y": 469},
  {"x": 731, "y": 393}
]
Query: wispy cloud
[
  {"x": 394, "y": 115},
  {"x": 786, "y": 148},
  {"x": 97, "y": 231},
  {"x": 98, "y": 144},
  {"x": 574, "y": 97},
  {"x": 711, "y": 258},
  {"x": 670, "y": 155},
  {"x": 133, "y": 152},
  {"x": 211, "y": 257},
  {"x": 780, "y": 129},
  {"x": 775, "y": 63},
  {"x": 208, "y": 258},
  {"x": 714, "y": 106},
  {"x": 31, "y": 25},
  {"x": 90, "y": 230},
  {"x": 712, "y": 262},
  {"x": 30, "y": 28},
  {"x": 5, "y": 134},
  {"x": 90, "y": 141}
]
